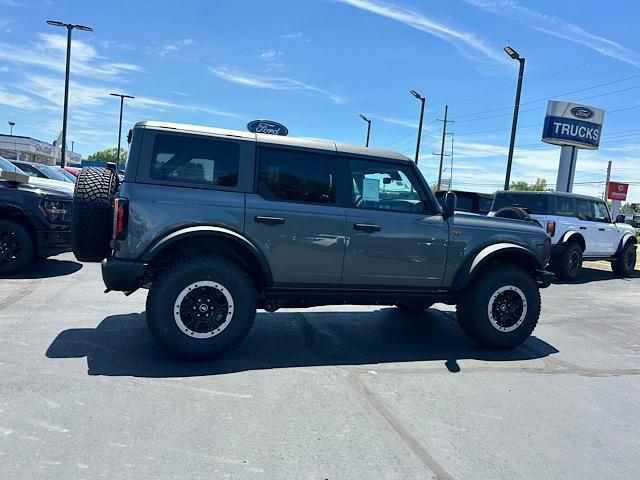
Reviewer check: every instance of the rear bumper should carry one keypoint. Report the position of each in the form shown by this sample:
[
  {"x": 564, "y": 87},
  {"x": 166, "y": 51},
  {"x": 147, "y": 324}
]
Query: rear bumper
[
  {"x": 122, "y": 275},
  {"x": 544, "y": 278}
]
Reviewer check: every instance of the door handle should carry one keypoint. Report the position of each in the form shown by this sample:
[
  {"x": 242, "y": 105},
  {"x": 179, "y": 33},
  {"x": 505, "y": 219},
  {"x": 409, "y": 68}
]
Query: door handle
[
  {"x": 366, "y": 227},
  {"x": 601, "y": 229},
  {"x": 583, "y": 228},
  {"x": 269, "y": 220}
]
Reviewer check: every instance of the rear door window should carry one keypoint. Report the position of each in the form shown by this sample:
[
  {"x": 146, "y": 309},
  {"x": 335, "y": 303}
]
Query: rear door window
[
  {"x": 565, "y": 206},
  {"x": 195, "y": 160},
  {"x": 584, "y": 209},
  {"x": 297, "y": 176},
  {"x": 534, "y": 203}
]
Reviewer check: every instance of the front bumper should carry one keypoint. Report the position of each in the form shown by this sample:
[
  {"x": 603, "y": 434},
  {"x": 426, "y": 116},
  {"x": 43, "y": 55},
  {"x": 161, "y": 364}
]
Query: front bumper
[
  {"x": 544, "y": 278},
  {"x": 122, "y": 275},
  {"x": 53, "y": 242}
]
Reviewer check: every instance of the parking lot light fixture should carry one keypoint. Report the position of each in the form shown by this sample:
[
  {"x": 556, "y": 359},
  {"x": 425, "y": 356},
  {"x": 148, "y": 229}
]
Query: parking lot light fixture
[
  {"x": 516, "y": 56},
  {"x": 122, "y": 97},
  {"x": 11, "y": 125},
  {"x": 368, "y": 127},
  {"x": 69, "y": 28},
  {"x": 422, "y": 101}
]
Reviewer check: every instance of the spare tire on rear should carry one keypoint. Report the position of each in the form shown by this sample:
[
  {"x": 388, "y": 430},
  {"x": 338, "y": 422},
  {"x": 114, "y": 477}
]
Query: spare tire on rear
[
  {"x": 93, "y": 213},
  {"x": 515, "y": 213}
]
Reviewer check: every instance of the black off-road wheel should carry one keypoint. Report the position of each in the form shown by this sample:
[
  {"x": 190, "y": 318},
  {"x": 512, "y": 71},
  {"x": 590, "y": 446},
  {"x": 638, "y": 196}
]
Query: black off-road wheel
[
  {"x": 568, "y": 265},
  {"x": 514, "y": 213},
  {"x": 201, "y": 307},
  {"x": 626, "y": 262},
  {"x": 16, "y": 247},
  {"x": 500, "y": 308},
  {"x": 92, "y": 222},
  {"x": 414, "y": 307}
]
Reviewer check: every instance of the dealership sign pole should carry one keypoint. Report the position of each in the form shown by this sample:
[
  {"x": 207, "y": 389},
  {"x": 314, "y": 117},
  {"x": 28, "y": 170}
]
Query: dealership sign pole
[{"x": 572, "y": 126}]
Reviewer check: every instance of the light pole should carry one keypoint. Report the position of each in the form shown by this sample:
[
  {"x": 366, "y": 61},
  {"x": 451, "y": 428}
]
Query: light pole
[
  {"x": 368, "y": 127},
  {"x": 513, "y": 54},
  {"x": 422, "y": 101},
  {"x": 69, "y": 28},
  {"x": 122, "y": 97},
  {"x": 11, "y": 125}
]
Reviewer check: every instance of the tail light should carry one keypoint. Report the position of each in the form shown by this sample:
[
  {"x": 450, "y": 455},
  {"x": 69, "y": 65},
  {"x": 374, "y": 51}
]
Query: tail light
[
  {"x": 551, "y": 228},
  {"x": 120, "y": 218},
  {"x": 547, "y": 250}
]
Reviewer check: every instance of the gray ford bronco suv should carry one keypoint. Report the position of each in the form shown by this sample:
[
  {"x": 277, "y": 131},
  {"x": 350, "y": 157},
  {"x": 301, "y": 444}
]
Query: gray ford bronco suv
[{"x": 217, "y": 223}]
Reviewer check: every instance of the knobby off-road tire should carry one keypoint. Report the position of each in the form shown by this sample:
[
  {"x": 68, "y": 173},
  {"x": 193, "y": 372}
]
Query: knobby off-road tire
[
  {"x": 92, "y": 222},
  {"x": 16, "y": 247},
  {"x": 626, "y": 262},
  {"x": 514, "y": 213},
  {"x": 481, "y": 313},
  {"x": 568, "y": 265},
  {"x": 201, "y": 307}
]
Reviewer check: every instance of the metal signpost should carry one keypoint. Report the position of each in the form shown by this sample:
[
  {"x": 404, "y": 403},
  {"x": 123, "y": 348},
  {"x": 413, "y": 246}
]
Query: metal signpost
[{"x": 572, "y": 126}]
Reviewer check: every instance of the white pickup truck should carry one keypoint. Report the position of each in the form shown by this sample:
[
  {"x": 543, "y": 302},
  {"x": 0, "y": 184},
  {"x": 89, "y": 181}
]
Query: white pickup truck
[{"x": 580, "y": 228}]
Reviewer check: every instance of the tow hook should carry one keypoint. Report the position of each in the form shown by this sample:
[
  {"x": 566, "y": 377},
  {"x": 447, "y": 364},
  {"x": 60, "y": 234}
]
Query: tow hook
[{"x": 544, "y": 278}]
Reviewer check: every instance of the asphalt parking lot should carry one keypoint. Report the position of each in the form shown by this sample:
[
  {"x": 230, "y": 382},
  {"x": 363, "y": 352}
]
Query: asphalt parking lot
[{"x": 326, "y": 393}]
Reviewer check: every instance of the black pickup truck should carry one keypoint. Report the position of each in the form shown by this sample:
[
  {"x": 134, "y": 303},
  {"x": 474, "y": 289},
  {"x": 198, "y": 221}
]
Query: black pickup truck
[{"x": 35, "y": 219}]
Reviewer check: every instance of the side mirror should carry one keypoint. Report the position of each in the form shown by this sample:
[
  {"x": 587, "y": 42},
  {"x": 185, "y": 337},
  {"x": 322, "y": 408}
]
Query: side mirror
[
  {"x": 620, "y": 219},
  {"x": 449, "y": 204}
]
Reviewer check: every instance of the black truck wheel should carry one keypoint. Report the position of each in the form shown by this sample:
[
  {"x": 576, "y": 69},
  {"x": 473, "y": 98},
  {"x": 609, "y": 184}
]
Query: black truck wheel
[
  {"x": 500, "y": 308},
  {"x": 92, "y": 222},
  {"x": 16, "y": 247},
  {"x": 515, "y": 213},
  {"x": 201, "y": 307},
  {"x": 568, "y": 265},
  {"x": 625, "y": 264}
]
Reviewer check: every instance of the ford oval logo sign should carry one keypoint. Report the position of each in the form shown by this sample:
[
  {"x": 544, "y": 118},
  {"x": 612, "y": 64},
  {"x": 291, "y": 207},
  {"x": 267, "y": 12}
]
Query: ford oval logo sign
[
  {"x": 268, "y": 127},
  {"x": 582, "y": 112}
]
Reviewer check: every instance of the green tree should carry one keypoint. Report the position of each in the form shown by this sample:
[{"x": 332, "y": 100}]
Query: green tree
[
  {"x": 108, "y": 155},
  {"x": 540, "y": 185},
  {"x": 630, "y": 208}
]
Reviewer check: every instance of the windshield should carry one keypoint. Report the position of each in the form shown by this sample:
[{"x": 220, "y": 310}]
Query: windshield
[
  {"x": 8, "y": 166},
  {"x": 535, "y": 203},
  {"x": 53, "y": 173}
]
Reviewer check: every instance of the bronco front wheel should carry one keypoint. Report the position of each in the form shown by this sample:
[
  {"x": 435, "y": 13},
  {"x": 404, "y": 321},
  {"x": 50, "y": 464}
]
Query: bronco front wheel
[
  {"x": 201, "y": 307},
  {"x": 500, "y": 308}
]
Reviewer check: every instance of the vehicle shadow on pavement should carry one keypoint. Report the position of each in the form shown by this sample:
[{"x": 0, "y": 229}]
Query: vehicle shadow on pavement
[
  {"x": 122, "y": 344},
  {"x": 46, "y": 268},
  {"x": 588, "y": 275}
]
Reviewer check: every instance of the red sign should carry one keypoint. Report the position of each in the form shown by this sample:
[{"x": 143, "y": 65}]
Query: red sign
[{"x": 617, "y": 191}]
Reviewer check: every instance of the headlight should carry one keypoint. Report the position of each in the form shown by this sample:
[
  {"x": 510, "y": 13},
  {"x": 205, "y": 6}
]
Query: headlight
[{"x": 56, "y": 210}]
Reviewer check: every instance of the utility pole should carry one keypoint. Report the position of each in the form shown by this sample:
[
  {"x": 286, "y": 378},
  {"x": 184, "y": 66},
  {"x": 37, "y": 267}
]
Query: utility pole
[
  {"x": 606, "y": 185},
  {"x": 451, "y": 168},
  {"x": 444, "y": 134},
  {"x": 514, "y": 124}
]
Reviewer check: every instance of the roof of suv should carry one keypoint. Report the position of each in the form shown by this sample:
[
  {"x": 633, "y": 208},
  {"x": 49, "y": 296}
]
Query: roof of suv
[
  {"x": 317, "y": 144},
  {"x": 550, "y": 193}
]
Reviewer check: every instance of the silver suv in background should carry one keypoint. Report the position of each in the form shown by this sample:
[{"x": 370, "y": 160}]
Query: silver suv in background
[
  {"x": 216, "y": 223},
  {"x": 580, "y": 227}
]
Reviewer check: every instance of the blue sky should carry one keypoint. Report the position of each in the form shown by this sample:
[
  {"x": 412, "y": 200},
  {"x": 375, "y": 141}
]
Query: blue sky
[{"x": 315, "y": 64}]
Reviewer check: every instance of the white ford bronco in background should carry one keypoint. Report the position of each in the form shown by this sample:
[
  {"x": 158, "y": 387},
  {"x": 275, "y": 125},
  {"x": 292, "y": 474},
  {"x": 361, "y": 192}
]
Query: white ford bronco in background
[{"x": 580, "y": 228}]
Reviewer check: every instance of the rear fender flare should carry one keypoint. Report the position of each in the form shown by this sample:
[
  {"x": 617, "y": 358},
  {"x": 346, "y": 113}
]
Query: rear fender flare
[
  {"x": 211, "y": 232},
  {"x": 573, "y": 236}
]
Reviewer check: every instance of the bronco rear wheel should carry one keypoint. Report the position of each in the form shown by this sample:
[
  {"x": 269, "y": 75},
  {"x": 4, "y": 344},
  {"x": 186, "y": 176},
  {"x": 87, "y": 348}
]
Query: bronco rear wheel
[
  {"x": 91, "y": 226},
  {"x": 501, "y": 307},
  {"x": 201, "y": 307}
]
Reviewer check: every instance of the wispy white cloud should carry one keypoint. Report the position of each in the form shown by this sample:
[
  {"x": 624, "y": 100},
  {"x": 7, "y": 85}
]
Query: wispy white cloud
[
  {"x": 464, "y": 41},
  {"x": 396, "y": 121},
  {"x": 175, "y": 46},
  {"x": 558, "y": 28},
  {"x": 49, "y": 51},
  {"x": 17, "y": 100},
  {"x": 272, "y": 83},
  {"x": 296, "y": 36}
]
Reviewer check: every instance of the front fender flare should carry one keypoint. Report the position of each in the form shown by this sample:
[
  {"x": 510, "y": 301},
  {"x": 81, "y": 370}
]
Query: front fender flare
[
  {"x": 627, "y": 237},
  {"x": 489, "y": 253}
]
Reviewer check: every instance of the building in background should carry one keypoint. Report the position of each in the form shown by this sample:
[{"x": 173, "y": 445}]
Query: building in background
[{"x": 15, "y": 147}]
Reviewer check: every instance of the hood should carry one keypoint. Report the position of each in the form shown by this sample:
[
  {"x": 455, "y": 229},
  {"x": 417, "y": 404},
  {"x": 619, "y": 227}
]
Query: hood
[
  {"x": 51, "y": 186},
  {"x": 497, "y": 223},
  {"x": 626, "y": 227}
]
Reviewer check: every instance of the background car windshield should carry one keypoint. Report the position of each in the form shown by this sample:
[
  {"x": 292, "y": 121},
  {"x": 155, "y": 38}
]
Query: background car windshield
[
  {"x": 535, "y": 203},
  {"x": 8, "y": 166},
  {"x": 53, "y": 174}
]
